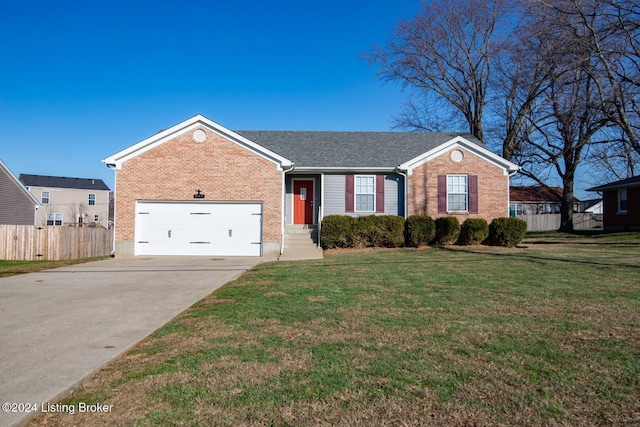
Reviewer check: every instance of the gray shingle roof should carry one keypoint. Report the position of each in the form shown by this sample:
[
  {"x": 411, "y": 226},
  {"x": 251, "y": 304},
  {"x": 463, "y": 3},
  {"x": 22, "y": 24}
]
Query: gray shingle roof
[
  {"x": 63, "y": 182},
  {"x": 350, "y": 149}
]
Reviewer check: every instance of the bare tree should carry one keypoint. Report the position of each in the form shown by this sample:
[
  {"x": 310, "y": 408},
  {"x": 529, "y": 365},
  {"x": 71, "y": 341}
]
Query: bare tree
[
  {"x": 609, "y": 30},
  {"x": 576, "y": 111},
  {"x": 446, "y": 53}
]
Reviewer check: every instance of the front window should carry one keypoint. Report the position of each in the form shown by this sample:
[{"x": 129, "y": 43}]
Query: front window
[
  {"x": 457, "y": 193},
  {"x": 517, "y": 209},
  {"x": 96, "y": 218},
  {"x": 622, "y": 200},
  {"x": 45, "y": 198},
  {"x": 92, "y": 199},
  {"x": 54, "y": 219},
  {"x": 365, "y": 193}
]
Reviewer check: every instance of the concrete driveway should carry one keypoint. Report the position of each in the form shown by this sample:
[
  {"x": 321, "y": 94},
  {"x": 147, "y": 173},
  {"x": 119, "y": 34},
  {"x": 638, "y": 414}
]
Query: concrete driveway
[{"x": 59, "y": 326}]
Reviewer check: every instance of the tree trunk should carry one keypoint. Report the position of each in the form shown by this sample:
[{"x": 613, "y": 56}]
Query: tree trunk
[{"x": 566, "y": 207}]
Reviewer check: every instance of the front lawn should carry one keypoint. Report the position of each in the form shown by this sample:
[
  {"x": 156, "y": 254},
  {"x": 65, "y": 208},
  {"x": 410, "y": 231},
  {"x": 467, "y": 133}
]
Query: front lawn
[{"x": 543, "y": 335}]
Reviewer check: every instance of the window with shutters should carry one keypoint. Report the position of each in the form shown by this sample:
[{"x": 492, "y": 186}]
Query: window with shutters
[
  {"x": 457, "y": 193},
  {"x": 365, "y": 193}
]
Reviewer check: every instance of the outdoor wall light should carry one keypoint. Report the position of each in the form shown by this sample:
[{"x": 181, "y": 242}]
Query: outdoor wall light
[{"x": 198, "y": 194}]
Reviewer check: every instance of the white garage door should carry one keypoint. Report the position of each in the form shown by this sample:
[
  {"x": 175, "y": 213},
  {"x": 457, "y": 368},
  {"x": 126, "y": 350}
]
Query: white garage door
[{"x": 223, "y": 229}]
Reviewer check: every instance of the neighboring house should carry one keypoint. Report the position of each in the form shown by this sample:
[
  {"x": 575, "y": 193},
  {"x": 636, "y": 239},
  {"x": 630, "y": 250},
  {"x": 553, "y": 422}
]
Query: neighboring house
[
  {"x": 592, "y": 206},
  {"x": 536, "y": 200},
  {"x": 69, "y": 201},
  {"x": 198, "y": 188},
  {"x": 17, "y": 205},
  {"x": 621, "y": 204}
]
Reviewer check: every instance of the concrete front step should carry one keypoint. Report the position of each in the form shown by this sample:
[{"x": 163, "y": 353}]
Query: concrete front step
[{"x": 300, "y": 243}]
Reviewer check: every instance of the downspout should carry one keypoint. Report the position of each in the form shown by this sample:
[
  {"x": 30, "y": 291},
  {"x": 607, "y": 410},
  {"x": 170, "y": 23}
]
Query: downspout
[
  {"x": 511, "y": 174},
  {"x": 282, "y": 208},
  {"x": 113, "y": 234},
  {"x": 406, "y": 191}
]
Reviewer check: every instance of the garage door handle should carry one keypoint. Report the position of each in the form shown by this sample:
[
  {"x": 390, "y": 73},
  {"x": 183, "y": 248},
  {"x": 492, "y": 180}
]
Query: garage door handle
[{"x": 169, "y": 233}]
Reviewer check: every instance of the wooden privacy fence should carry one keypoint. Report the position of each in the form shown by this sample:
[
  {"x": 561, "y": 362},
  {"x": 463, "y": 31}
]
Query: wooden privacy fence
[
  {"x": 29, "y": 243},
  {"x": 581, "y": 221}
]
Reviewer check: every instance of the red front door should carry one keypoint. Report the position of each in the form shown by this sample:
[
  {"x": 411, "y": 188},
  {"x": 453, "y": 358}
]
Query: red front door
[{"x": 302, "y": 202}]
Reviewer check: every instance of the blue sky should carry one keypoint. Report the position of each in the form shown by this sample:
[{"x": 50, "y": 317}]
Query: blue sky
[{"x": 81, "y": 80}]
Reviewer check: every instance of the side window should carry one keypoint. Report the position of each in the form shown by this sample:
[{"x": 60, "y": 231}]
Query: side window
[
  {"x": 44, "y": 199},
  {"x": 457, "y": 193},
  {"x": 622, "y": 200},
  {"x": 92, "y": 199}
]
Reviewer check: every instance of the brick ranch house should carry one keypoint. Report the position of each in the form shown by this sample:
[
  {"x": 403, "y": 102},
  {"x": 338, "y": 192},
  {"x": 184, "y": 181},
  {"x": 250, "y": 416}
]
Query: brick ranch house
[
  {"x": 199, "y": 188},
  {"x": 621, "y": 204}
]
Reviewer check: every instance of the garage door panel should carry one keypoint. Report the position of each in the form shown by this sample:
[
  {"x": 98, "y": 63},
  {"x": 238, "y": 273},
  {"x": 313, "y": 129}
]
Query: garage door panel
[{"x": 223, "y": 229}]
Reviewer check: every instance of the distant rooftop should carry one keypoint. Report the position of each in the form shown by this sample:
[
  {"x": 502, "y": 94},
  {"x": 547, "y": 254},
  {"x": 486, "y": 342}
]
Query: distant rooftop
[
  {"x": 536, "y": 194},
  {"x": 63, "y": 182}
]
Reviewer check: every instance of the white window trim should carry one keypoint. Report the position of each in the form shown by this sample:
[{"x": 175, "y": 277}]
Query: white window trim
[
  {"x": 48, "y": 197},
  {"x": 517, "y": 207},
  {"x": 55, "y": 216},
  {"x": 355, "y": 193},
  {"x": 94, "y": 199},
  {"x": 466, "y": 193}
]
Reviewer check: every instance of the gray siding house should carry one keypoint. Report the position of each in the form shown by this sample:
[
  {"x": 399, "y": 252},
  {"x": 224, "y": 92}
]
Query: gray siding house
[{"x": 17, "y": 205}]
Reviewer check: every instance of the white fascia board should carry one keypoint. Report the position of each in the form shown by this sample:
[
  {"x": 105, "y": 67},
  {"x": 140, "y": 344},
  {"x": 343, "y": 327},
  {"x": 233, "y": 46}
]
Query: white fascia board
[
  {"x": 460, "y": 142},
  {"x": 181, "y": 128},
  {"x": 342, "y": 169}
]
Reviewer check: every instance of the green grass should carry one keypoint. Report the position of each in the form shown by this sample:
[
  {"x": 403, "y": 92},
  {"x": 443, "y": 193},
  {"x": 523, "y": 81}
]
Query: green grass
[
  {"x": 12, "y": 268},
  {"x": 543, "y": 335}
]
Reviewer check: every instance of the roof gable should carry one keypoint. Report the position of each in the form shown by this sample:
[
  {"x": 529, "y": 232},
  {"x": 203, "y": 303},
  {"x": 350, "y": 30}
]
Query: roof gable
[
  {"x": 463, "y": 141},
  {"x": 321, "y": 150},
  {"x": 63, "y": 182},
  {"x": 18, "y": 184},
  {"x": 116, "y": 160}
]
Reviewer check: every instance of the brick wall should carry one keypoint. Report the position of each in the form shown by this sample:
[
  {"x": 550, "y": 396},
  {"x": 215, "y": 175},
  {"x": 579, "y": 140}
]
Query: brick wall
[
  {"x": 493, "y": 186},
  {"x": 223, "y": 170},
  {"x": 613, "y": 220}
]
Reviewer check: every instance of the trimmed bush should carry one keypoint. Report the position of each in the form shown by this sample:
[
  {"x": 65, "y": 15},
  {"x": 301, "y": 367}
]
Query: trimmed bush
[
  {"x": 473, "y": 231},
  {"x": 447, "y": 230},
  {"x": 337, "y": 232},
  {"x": 507, "y": 231},
  {"x": 420, "y": 230},
  {"x": 385, "y": 231}
]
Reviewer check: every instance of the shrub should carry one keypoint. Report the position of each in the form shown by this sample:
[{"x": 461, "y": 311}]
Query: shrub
[
  {"x": 337, "y": 232},
  {"x": 420, "y": 230},
  {"x": 473, "y": 231},
  {"x": 447, "y": 230},
  {"x": 386, "y": 231},
  {"x": 507, "y": 231}
]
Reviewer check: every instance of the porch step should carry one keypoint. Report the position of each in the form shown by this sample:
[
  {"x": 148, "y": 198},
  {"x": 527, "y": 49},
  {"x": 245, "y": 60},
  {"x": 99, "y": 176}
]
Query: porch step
[{"x": 300, "y": 242}]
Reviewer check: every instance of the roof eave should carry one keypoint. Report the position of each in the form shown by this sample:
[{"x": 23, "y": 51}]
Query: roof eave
[
  {"x": 460, "y": 141},
  {"x": 116, "y": 160}
]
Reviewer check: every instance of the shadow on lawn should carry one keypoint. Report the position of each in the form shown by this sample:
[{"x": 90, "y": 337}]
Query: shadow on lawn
[{"x": 538, "y": 258}]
